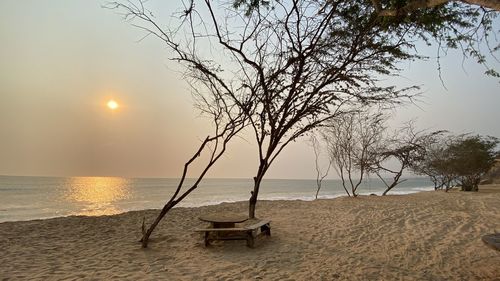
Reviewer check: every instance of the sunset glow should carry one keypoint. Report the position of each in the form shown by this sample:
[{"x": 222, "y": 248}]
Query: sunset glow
[
  {"x": 97, "y": 195},
  {"x": 112, "y": 104}
]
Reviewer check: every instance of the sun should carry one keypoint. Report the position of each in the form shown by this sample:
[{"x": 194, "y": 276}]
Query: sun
[{"x": 112, "y": 104}]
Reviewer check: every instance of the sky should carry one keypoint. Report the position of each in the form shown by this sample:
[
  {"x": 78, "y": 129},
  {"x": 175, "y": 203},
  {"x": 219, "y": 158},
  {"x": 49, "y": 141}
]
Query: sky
[{"x": 61, "y": 61}]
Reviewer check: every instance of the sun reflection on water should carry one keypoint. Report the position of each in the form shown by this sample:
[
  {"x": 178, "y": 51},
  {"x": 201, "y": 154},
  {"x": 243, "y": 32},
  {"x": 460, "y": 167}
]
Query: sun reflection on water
[{"x": 97, "y": 195}]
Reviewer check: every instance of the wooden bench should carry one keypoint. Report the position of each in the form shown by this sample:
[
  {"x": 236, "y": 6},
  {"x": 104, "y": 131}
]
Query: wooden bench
[{"x": 248, "y": 233}]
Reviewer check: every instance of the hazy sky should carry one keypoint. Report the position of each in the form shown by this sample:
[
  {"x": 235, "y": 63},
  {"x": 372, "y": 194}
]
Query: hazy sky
[{"x": 61, "y": 61}]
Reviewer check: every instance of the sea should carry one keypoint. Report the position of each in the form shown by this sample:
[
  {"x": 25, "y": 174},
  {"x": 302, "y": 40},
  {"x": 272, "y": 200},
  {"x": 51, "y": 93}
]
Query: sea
[{"x": 28, "y": 198}]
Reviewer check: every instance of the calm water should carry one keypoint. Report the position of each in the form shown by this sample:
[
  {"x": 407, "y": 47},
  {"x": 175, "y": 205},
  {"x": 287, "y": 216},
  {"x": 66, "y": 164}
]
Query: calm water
[{"x": 26, "y": 198}]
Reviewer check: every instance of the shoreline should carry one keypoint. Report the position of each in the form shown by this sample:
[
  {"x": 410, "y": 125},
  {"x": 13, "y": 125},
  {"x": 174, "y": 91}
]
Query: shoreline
[
  {"x": 395, "y": 192},
  {"x": 420, "y": 236},
  {"x": 361, "y": 195}
]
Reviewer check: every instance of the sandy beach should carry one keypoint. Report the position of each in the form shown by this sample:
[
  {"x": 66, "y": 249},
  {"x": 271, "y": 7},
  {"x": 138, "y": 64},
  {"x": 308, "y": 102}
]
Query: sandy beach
[{"x": 422, "y": 236}]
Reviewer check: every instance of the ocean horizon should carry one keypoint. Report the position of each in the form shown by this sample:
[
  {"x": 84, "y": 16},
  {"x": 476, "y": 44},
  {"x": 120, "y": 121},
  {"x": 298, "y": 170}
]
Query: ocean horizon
[{"x": 35, "y": 197}]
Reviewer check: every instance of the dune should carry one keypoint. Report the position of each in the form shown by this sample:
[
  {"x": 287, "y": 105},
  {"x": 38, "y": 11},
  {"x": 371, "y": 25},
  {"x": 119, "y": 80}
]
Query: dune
[{"x": 423, "y": 236}]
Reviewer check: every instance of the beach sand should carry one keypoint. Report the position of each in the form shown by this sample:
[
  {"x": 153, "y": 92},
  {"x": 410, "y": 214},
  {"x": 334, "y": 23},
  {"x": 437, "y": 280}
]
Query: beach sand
[{"x": 423, "y": 236}]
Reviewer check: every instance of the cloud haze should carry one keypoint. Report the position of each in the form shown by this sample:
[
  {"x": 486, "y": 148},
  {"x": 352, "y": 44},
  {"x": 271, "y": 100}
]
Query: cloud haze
[{"x": 61, "y": 61}]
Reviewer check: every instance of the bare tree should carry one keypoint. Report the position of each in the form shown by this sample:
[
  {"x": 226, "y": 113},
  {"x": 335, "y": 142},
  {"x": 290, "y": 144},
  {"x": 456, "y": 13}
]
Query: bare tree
[
  {"x": 288, "y": 69},
  {"x": 407, "y": 147},
  {"x": 301, "y": 69},
  {"x": 228, "y": 121},
  {"x": 217, "y": 146},
  {"x": 352, "y": 140},
  {"x": 320, "y": 174},
  {"x": 210, "y": 93}
]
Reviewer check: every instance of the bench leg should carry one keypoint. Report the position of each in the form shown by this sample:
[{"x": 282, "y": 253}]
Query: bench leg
[
  {"x": 250, "y": 240},
  {"x": 207, "y": 241},
  {"x": 266, "y": 229}
]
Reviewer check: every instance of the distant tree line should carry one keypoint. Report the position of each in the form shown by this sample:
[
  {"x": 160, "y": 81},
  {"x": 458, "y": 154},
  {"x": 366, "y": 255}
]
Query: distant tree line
[
  {"x": 458, "y": 160},
  {"x": 358, "y": 144}
]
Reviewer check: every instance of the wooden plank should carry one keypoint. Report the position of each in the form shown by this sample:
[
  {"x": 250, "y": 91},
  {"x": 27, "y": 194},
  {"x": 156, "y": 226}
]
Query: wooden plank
[
  {"x": 258, "y": 224},
  {"x": 227, "y": 218},
  {"x": 221, "y": 229}
]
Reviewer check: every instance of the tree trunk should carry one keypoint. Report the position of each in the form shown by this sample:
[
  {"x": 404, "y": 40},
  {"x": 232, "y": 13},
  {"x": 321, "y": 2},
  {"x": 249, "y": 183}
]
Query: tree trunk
[
  {"x": 389, "y": 188},
  {"x": 253, "y": 199},
  {"x": 477, "y": 180},
  {"x": 396, "y": 181},
  {"x": 263, "y": 166},
  {"x": 255, "y": 193},
  {"x": 164, "y": 211},
  {"x": 317, "y": 190}
]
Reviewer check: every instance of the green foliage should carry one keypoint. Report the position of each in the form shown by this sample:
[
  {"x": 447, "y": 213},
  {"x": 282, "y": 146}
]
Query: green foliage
[
  {"x": 470, "y": 157},
  {"x": 462, "y": 159},
  {"x": 452, "y": 25},
  {"x": 250, "y": 5}
]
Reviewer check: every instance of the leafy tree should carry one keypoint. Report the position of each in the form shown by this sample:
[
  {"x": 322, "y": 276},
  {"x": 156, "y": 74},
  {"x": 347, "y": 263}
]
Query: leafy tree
[
  {"x": 493, "y": 175},
  {"x": 461, "y": 159},
  {"x": 470, "y": 157},
  {"x": 395, "y": 8},
  {"x": 455, "y": 24}
]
